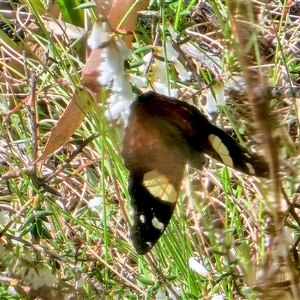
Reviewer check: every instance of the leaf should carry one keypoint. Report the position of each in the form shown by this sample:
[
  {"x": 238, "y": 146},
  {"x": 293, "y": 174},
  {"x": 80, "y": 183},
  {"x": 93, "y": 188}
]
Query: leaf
[
  {"x": 85, "y": 5},
  {"x": 146, "y": 281},
  {"x": 68, "y": 123},
  {"x": 44, "y": 213},
  {"x": 90, "y": 72},
  {"x": 63, "y": 29},
  {"x": 51, "y": 190},
  {"x": 69, "y": 13}
]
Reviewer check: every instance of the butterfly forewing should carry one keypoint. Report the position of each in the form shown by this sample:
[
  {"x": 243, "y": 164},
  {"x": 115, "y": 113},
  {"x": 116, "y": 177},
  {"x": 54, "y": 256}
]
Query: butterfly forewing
[{"x": 225, "y": 149}]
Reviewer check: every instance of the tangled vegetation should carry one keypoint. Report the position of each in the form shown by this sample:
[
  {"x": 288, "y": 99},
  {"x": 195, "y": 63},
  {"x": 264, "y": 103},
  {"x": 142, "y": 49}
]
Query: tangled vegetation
[{"x": 65, "y": 214}]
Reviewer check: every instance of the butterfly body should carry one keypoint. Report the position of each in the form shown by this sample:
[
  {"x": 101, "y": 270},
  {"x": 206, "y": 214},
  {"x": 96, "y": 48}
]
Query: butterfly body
[{"x": 163, "y": 135}]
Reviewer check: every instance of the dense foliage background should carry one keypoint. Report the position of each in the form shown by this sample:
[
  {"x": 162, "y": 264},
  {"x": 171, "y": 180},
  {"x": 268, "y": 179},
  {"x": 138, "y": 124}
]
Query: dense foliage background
[{"x": 64, "y": 206}]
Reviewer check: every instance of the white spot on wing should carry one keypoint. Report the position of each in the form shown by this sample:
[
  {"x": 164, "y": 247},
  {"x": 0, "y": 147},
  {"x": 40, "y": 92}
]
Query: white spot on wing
[
  {"x": 158, "y": 225},
  {"x": 159, "y": 186},
  {"x": 143, "y": 219},
  {"x": 250, "y": 168},
  {"x": 247, "y": 155}
]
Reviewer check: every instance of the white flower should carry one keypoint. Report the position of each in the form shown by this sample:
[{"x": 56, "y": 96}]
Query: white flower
[
  {"x": 124, "y": 51},
  {"x": 11, "y": 290},
  {"x": 112, "y": 73},
  {"x": 172, "y": 32},
  {"x": 218, "y": 297},
  {"x": 119, "y": 107},
  {"x": 126, "y": 113},
  {"x": 211, "y": 104},
  {"x": 177, "y": 290},
  {"x": 159, "y": 70},
  {"x": 139, "y": 81},
  {"x": 172, "y": 54},
  {"x": 163, "y": 89},
  {"x": 121, "y": 85},
  {"x": 95, "y": 203},
  {"x": 161, "y": 294},
  {"x": 197, "y": 267},
  {"x": 147, "y": 57},
  {"x": 98, "y": 36},
  {"x": 219, "y": 92},
  {"x": 290, "y": 237},
  {"x": 183, "y": 74},
  {"x": 42, "y": 277},
  {"x": 112, "y": 65},
  {"x": 26, "y": 254},
  {"x": 4, "y": 218},
  {"x": 215, "y": 99}
]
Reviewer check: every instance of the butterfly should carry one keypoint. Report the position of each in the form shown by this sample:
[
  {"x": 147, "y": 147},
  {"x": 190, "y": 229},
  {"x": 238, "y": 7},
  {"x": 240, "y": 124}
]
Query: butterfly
[{"x": 162, "y": 136}]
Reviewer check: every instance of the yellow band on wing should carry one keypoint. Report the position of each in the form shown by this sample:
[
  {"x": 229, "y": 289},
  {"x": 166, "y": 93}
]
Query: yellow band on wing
[
  {"x": 221, "y": 149},
  {"x": 159, "y": 186}
]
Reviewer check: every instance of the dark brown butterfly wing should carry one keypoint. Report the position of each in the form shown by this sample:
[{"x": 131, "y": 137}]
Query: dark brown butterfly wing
[
  {"x": 162, "y": 136},
  {"x": 155, "y": 152}
]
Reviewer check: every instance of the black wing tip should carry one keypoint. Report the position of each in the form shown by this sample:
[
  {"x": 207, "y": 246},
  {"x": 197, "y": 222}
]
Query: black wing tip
[
  {"x": 144, "y": 236},
  {"x": 254, "y": 165},
  {"x": 140, "y": 246}
]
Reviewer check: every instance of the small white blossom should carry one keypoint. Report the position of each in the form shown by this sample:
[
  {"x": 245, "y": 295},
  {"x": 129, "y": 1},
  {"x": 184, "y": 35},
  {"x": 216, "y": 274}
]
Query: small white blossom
[
  {"x": 105, "y": 77},
  {"x": 218, "y": 297},
  {"x": 42, "y": 277},
  {"x": 159, "y": 70},
  {"x": 290, "y": 237},
  {"x": 118, "y": 108},
  {"x": 161, "y": 294},
  {"x": 139, "y": 81},
  {"x": 219, "y": 92},
  {"x": 176, "y": 289},
  {"x": 211, "y": 103},
  {"x": 97, "y": 37},
  {"x": 26, "y": 254},
  {"x": 112, "y": 73},
  {"x": 12, "y": 291},
  {"x": 147, "y": 57},
  {"x": 163, "y": 89},
  {"x": 183, "y": 74},
  {"x": 197, "y": 267},
  {"x": 95, "y": 203},
  {"x": 124, "y": 51},
  {"x": 172, "y": 54},
  {"x": 172, "y": 32},
  {"x": 4, "y": 218},
  {"x": 216, "y": 99},
  {"x": 122, "y": 86},
  {"x": 112, "y": 65}
]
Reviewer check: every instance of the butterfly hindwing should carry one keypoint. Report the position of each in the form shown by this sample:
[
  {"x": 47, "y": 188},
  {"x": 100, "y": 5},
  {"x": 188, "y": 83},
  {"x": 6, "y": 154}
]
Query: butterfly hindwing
[
  {"x": 162, "y": 136},
  {"x": 153, "y": 204}
]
